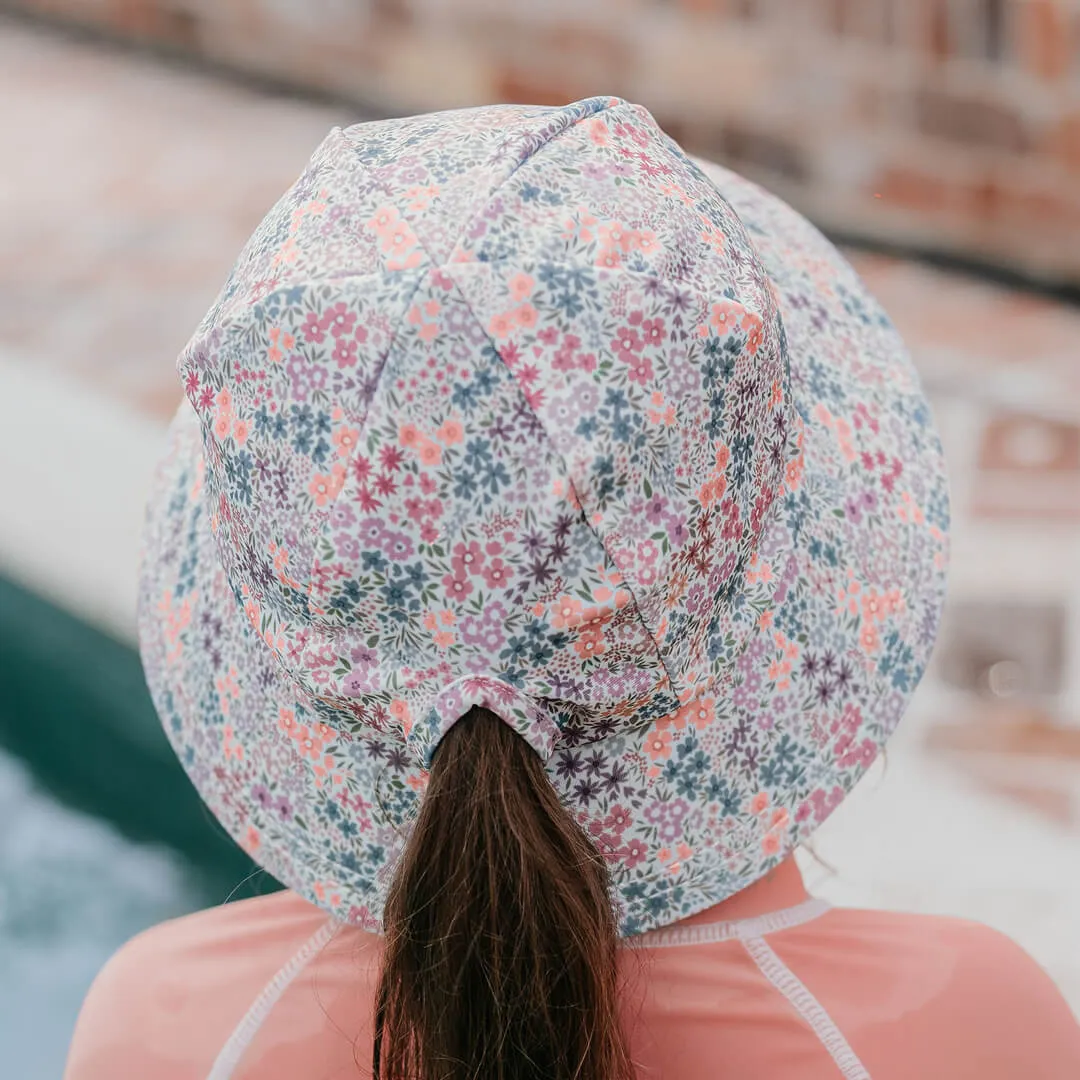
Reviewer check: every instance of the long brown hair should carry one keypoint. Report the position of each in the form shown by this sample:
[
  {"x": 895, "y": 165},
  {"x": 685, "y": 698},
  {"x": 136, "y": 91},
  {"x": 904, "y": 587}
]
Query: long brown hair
[{"x": 500, "y": 936}]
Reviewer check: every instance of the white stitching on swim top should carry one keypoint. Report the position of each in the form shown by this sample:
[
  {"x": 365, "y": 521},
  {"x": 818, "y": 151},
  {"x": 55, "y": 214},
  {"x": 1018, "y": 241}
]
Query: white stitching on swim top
[
  {"x": 737, "y": 930},
  {"x": 808, "y": 1007},
  {"x": 244, "y": 1033},
  {"x": 742, "y": 930}
]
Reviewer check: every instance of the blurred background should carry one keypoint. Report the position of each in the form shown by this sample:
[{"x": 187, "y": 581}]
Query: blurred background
[{"x": 142, "y": 140}]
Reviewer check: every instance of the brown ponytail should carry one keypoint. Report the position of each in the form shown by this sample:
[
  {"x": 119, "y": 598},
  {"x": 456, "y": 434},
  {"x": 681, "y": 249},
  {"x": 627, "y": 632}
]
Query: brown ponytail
[{"x": 500, "y": 955}]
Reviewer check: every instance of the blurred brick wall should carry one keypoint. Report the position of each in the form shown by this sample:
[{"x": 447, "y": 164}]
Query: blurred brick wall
[{"x": 949, "y": 125}]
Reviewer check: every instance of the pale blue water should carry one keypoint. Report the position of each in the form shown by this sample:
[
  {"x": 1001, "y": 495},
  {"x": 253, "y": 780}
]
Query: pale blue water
[{"x": 72, "y": 890}]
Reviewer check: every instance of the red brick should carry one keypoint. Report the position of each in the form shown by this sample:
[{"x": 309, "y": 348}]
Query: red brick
[
  {"x": 981, "y": 199},
  {"x": 1064, "y": 142},
  {"x": 538, "y": 87},
  {"x": 912, "y": 188},
  {"x": 1044, "y": 35},
  {"x": 703, "y": 7},
  {"x": 969, "y": 119}
]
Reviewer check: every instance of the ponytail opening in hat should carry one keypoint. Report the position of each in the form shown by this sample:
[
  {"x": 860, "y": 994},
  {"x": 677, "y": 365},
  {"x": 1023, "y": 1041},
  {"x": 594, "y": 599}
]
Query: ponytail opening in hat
[{"x": 501, "y": 937}]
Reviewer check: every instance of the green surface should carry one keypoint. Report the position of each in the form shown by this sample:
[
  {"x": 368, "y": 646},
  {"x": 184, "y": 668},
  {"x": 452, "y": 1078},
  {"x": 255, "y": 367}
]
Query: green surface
[{"x": 74, "y": 707}]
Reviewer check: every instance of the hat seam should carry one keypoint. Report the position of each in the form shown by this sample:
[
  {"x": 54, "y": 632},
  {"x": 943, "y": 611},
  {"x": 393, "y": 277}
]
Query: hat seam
[
  {"x": 423, "y": 273},
  {"x": 573, "y": 487}
]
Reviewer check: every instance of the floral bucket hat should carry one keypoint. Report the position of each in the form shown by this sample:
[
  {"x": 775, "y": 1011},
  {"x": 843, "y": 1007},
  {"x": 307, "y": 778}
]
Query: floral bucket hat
[{"x": 523, "y": 407}]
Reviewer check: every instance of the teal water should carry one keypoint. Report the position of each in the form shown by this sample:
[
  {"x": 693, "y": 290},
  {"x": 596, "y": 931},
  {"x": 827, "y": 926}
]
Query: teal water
[{"x": 72, "y": 890}]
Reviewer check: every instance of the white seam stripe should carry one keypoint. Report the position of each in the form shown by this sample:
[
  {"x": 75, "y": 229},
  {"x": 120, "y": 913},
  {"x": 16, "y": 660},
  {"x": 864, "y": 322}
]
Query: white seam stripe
[
  {"x": 740, "y": 929},
  {"x": 248, "y": 1028},
  {"x": 808, "y": 1007}
]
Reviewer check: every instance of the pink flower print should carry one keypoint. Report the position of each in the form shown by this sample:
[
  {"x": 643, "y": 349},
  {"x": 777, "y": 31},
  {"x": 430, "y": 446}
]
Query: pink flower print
[
  {"x": 756, "y": 335},
  {"x": 645, "y": 562},
  {"x": 344, "y": 352},
  {"x": 646, "y": 244},
  {"x": 311, "y": 741},
  {"x": 429, "y": 452},
  {"x": 457, "y": 588},
  {"x": 590, "y": 643},
  {"x": 658, "y": 744},
  {"x": 726, "y": 316},
  {"x": 549, "y": 335},
  {"x": 634, "y": 853},
  {"x": 732, "y": 528},
  {"x": 862, "y": 755},
  {"x": 869, "y": 640},
  {"x": 467, "y": 558},
  {"x": 314, "y": 328},
  {"x": 653, "y": 331},
  {"x": 526, "y": 316},
  {"x": 325, "y": 487},
  {"x": 340, "y": 320},
  {"x": 501, "y": 325},
  {"x": 497, "y": 574},
  {"x": 429, "y": 533},
  {"x": 641, "y": 369},
  {"x": 626, "y": 343},
  {"x": 598, "y": 132},
  {"x": 618, "y": 819},
  {"x": 608, "y": 258},
  {"x": 564, "y": 355},
  {"x": 614, "y": 235},
  {"x": 820, "y": 804},
  {"x": 521, "y": 286},
  {"x": 383, "y": 220},
  {"x": 345, "y": 439},
  {"x": 450, "y": 432},
  {"x": 566, "y": 612},
  {"x": 874, "y": 606},
  {"x": 391, "y": 458}
]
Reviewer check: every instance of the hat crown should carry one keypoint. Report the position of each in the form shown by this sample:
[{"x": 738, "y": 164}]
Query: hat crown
[{"x": 498, "y": 394}]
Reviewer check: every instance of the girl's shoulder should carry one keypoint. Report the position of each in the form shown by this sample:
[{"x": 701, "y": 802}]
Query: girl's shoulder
[{"x": 168, "y": 1000}]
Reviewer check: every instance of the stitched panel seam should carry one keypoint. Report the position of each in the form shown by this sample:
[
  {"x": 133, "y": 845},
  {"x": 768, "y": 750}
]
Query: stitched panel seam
[
  {"x": 424, "y": 273},
  {"x": 808, "y": 1007},
  {"x": 244, "y": 1033},
  {"x": 737, "y": 930}
]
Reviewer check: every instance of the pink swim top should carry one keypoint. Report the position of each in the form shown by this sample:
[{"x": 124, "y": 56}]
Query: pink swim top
[{"x": 769, "y": 984}]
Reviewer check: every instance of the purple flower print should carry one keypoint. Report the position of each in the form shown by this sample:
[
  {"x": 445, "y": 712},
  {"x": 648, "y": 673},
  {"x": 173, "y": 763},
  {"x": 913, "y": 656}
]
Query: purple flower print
[
  {"x": 667, "y": 816},
  {"x": 347, "y": 546},
  {"x": 363, "y": 679},
  {"x": 655, "y": 509},
  {"x": 677, "y": 532},
  {"x": 719, "y": 574},
  {"x": 316, "y": 378},
  {"x": 397, "y": 545},
  {"x": 485, "y": 631},
  {"x": 857, "y": 504},
  {"x": 342, "y": 515},
  {"x": 370, "y": 532}
]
